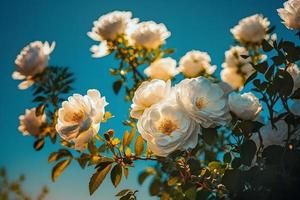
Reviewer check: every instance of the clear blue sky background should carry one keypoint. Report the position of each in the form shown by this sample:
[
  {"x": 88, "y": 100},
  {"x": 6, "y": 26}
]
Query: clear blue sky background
[{"x": 197, "y": 24}]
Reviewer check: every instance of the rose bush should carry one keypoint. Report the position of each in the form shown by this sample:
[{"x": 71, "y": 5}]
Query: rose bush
[{"x": 208, "y": 139}]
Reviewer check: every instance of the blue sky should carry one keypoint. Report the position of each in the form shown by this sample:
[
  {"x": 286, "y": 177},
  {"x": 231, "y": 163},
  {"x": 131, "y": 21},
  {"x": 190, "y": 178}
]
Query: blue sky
[{"x": 194, "y": 24}]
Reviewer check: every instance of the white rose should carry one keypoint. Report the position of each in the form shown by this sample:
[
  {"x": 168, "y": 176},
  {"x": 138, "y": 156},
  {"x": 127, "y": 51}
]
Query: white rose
[
  {"x": 149, "y": 35},
  {"x": 233, "y": 57},
  {"x": 32, "y": 60},
  {"x": 163, "y": 68},
  {"x": 245, "y": 106},
  {"x": 30, "y": 123},
  {"x": 204, "y": 101},
  {"x": 100, "y": 50},
  {"x": 195, "y": 63},
  {"x": 290, "y": 14},
  {"x": 230, "y": 76},
  {"x": 167, "y": 128},
  {"x": 295, "y": 107},
  {"x": 79, "y": 118},
  {"x": 111, "y": 25},
  {"x": 148, "y": 94},
  {"x": 295, "y": 73},
  {"x": 252, "y": 29},
  {"x": 271, "y": 135}
]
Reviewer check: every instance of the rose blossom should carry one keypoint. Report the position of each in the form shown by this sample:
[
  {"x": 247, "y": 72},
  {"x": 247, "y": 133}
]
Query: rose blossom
[
  {"x": 163, "y": 68},
  {"x": 79, "y": 118},
  {"x": 234, "y": 79},
  {"x": 30, "y": 123},
  {"x": 166, "y": 128},
  {"x": 32, "y": 60},
  {"x": 290, "y": 14},
  {"x": 195, "y": 63},
  {"x": 246, "y": 106},
  {"x": 204, "y": 101},
  {"x": 149, "y": 35},
  {"x": 271, "y": 135},
  {"x": 252, "y": 29},
  {"x": 295, "y": 73},
  {"x": 148, "y": 94}
]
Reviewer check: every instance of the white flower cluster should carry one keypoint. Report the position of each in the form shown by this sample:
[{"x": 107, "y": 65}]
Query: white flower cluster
[
  {"x": 290, "y": 14},
  {"x": 236, "y": 69},
  {"x": 170, "y": 118},
  {"x": 32, "y": 60},
  {"x": 251, "y": 30},
  {"x": 148, "y": 35},
  {"x": 195, "y": 63}
]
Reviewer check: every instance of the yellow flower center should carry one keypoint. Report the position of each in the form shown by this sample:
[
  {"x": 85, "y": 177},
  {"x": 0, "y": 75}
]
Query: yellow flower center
[
  {"x": 167, "y": 126},
  {"x": 77, "y": 117},
  {"x": 200, "y": 102}
]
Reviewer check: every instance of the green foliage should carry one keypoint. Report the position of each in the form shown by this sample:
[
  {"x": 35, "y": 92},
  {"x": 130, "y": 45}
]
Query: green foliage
[
  {"x": 126, "y": 194},
  {"x": 99, "y": 176},
  {"x": 225, "y": 164}
]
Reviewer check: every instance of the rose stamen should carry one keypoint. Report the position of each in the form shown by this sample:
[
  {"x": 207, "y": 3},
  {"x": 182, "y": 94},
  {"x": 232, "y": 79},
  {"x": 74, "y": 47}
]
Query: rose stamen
[
  {"x": 200, "y": 102},
  {"x": 77, "y": 117},
  {"x": 167, "y": 126}
]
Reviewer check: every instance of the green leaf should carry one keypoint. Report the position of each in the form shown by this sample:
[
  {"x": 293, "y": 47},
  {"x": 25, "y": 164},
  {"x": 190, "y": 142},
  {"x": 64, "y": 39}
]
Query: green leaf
[
  {"x": 126, "y": 172},
  {"x": 38, "y": 144},
  {"x": 278, "y": 60},
  {"x": 261, "y": 67},
  {"x": 154, "y": 187},
  {"x": 269, "y": 72},
  {"x": 40, "y": 109},
  {"x": 92, "y": 148},
  {"x": 58, "y": 155},
  {"x": 130, "y": 137},
  {"x": 227, "y": 157},
  {"x": 117, "y": 86},
  {"x": 59, "y": 168},
  {"x": 283, "y": 83},
  {"x": 39, "y": 99},
  {"x": 273, "y": 154},
  {"x": 53, "y": 157},
  {"x": 123, "y": 192},
  {"x": 266, "y": 46},
  {"x": 236, "y": 163},
  {"x": 83, "y": 160},
  {"x": 139, "y": 145},
  {"x": 116, "y": 175},
  {"x": 247, "y": 152},
  {"x": 191, "y": 192},
  {"x": 296, "y": 94},
  {"x": 98, "y": 178},
  {"x": 128, "y": 196},
  {"x": 271, "y": 29},
  {"x": 251, "y": 77},
  {"x": 232, "y": 179},
  {"x": 169, "y": 51},
  {"x": 125, "y": 138},
  {"x": 172, "y": 181},
  {"x": 142, "y": 176},
  {"x": 209, "y": 135}
]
